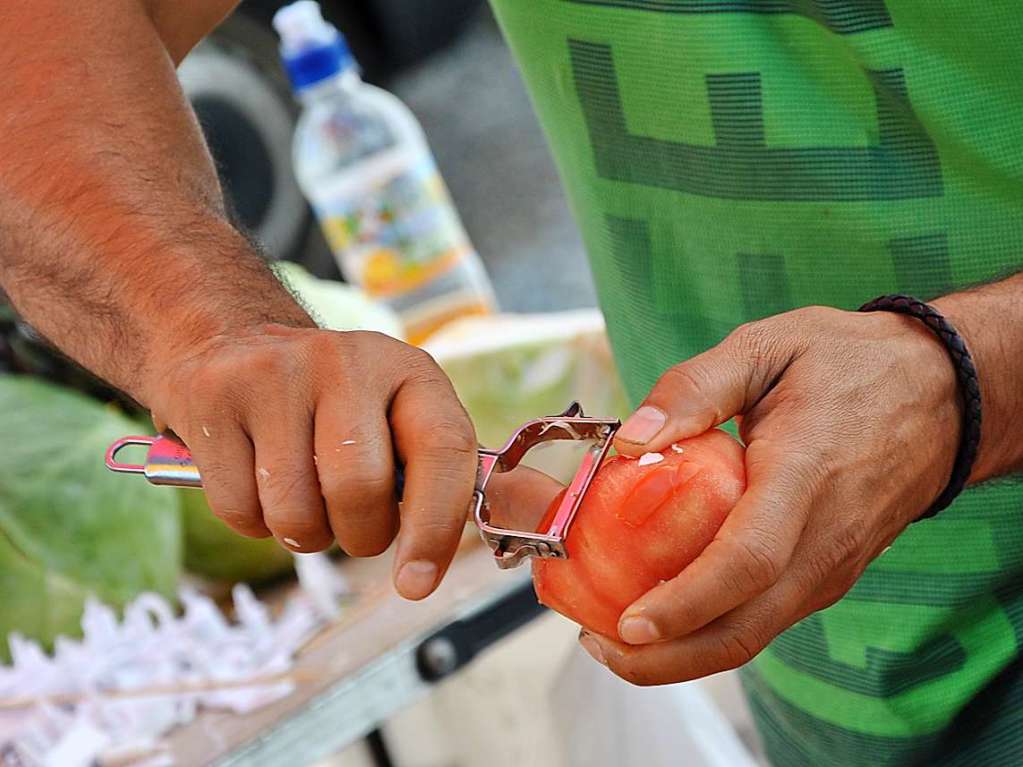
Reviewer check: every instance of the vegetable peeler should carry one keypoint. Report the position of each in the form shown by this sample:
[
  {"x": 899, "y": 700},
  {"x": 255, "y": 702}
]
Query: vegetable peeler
[{"x": 169, "y": 462}]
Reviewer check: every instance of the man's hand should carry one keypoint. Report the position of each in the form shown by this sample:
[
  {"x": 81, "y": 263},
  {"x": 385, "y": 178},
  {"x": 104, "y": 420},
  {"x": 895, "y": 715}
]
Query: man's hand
[
  {"x": 297, "y": 433},
  {"x": 851, "y": 423}
]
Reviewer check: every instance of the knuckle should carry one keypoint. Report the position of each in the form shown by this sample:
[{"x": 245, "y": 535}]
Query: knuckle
[
  {"x": 339, "y": 358},
  {"x": 440, "y": 525},
  {"x": 216, "y": 472},
  {"x": 759, "y": 341},
  {"x": 456, "y": 441},
  {"x": 266, "y": 362},
  {"x": 326, "y": 345},
  {"x": 422, "y": 358},
  {"x": 205, "y": 383},
  {"x": 419, "y": 365},
  {"x": 745, "y": 332},
  {"x": 685, "y": 378},
  {"x": 691, "y": 380},
  {"x": 280, "y": 484},
  {"x": 349, "y": 347},
  {"x": 363, "y": 481},
  {"x": 752, "y": 335},
  {"x": 369, "y": 340},
  {"x": 227, "y": 384},
  {"x": 201, "y": 379}
]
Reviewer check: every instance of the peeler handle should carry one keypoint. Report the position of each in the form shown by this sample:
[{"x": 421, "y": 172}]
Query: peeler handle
[{"x": 169, "y": 462}]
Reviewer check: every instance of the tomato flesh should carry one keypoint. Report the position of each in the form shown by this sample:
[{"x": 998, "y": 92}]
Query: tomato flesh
[{"x": 638, "y": 526}]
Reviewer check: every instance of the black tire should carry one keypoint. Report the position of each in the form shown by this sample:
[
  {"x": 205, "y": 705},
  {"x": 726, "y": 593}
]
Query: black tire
[{"x": 243, "y": 102}]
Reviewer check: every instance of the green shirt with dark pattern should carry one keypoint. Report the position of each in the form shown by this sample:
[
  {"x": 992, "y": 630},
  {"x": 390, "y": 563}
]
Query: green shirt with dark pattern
[{"x": 731, "y": 159}]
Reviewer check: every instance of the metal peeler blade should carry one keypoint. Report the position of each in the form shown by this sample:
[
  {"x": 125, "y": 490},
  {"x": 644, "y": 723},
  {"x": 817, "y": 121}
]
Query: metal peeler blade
[
  {"x": 512, "y": 547},
  {"x": 169, "y": 462}
]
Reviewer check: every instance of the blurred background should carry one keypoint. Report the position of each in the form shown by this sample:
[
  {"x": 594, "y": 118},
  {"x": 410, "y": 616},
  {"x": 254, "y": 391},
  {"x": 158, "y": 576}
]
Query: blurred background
[{"x": 447, "y": 61}]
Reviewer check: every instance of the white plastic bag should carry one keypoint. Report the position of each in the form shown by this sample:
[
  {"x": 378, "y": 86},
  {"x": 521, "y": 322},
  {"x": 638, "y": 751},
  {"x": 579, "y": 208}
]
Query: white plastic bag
[{"x": 606, "y": 722}]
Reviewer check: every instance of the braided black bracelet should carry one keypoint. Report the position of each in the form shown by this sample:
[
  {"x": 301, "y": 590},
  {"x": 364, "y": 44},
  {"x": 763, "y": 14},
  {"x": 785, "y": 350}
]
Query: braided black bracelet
[{"x": 966, "y": 373}]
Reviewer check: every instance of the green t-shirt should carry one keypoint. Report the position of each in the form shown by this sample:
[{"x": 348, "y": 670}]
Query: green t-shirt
[{"x": 731, "y": 159}]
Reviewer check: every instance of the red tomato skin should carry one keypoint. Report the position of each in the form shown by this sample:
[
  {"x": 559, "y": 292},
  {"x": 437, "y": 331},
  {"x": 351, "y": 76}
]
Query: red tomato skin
[{"x": 639, "y": 526}]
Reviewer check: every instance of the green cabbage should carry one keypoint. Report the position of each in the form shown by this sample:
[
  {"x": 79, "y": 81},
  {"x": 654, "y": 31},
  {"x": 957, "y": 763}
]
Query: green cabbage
[
  {"x": 337, "y": 306},
  {"x": 508, "y": 369},
  {"x": 68, "y": 526},
  {"x": 214, "y": 550}
]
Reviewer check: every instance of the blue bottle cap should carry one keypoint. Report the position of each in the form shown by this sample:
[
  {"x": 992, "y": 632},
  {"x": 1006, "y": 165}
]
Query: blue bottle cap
[
  {"x": 311, "y": 48},
  {"x": 318, "y": 63}
]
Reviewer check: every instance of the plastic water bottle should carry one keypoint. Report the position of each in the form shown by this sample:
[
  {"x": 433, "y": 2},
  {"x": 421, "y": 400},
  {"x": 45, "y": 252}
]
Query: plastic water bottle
[{"x": 363, "y": 163}]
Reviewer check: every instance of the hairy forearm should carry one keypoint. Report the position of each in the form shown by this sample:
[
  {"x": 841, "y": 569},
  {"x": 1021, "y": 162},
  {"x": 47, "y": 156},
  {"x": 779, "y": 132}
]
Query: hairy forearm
[
  {"x": 113, "y": 238},
  {"x": 990, "y": 319}
]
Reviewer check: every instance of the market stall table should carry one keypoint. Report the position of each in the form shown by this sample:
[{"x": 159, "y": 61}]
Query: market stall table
[{"x": 381, "y": 655}]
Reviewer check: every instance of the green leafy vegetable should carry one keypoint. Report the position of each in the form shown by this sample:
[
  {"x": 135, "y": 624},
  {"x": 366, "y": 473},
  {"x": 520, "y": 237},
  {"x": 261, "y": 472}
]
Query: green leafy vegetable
[
  {"x": 509, "y": 369},
  {"x": 214, "y": 550},
  {"x": 337, "y": 306},
  {"x": 68, "y": 527}
]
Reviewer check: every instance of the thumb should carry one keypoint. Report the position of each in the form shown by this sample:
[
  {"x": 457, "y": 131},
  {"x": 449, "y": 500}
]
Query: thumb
[
  {"x": 703, "y": 392},
  {"x": 520, "y": 498}
]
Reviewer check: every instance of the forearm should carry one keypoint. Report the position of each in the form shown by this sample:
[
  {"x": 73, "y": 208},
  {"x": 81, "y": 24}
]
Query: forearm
[
  {"x": 990, "y": 319},
  {"x": 113, "y": 238}
]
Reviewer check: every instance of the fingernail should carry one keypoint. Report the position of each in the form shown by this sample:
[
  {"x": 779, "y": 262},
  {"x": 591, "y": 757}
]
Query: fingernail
[
  {"x": 638, "y": 630},
  {"x": 592, "y": 648},
  {"x": 416, "y": 579},
  {"x": 643, "y": 425}
]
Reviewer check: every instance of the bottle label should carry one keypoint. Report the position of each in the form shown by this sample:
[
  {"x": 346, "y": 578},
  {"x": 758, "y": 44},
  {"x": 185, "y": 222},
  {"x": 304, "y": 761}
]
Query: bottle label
[{"x": 394, "y": 231}]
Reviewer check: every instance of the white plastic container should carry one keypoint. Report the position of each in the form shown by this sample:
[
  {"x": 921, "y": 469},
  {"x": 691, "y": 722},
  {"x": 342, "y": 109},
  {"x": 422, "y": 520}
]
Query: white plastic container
[{"x": 363, "y": 163}]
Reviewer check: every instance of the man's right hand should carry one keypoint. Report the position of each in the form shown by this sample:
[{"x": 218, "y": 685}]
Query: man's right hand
[{"x": 297, "y": 433}]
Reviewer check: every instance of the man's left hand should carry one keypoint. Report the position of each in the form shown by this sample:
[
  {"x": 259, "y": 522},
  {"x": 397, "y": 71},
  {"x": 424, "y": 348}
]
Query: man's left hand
[{"x": 851, "y": 423}]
